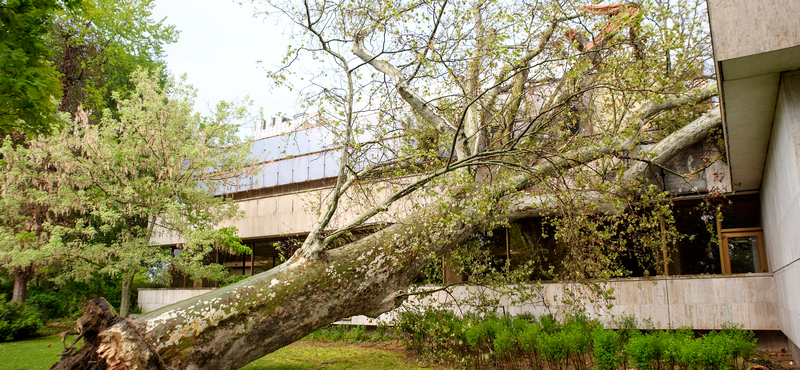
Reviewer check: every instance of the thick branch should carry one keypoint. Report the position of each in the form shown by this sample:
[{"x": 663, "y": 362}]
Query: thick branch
[{"x": 417, "y": 102}]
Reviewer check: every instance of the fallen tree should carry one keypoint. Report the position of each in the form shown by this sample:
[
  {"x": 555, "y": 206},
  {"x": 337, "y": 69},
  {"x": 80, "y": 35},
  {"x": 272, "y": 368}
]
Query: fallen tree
[{"x": 509, "y": 176}]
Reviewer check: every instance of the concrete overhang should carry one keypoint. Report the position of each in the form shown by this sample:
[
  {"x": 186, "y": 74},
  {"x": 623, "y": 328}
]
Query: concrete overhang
[{"x": 753, "y": 43}]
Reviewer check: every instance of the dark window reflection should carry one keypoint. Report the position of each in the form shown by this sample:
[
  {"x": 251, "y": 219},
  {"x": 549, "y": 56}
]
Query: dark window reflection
[{"x": 744, "y": 254}]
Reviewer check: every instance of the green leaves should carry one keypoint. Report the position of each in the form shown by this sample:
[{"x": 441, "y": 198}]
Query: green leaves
[{"x": 29, "y": 83}]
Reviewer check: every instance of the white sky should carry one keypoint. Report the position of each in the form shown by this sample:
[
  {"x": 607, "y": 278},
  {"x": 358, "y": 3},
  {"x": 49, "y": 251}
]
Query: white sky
[{"x": 219, "y": 46}]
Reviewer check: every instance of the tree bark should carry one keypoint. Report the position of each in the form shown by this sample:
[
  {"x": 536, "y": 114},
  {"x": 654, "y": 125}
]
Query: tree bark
[
  {"x": 21, "y": 277},
  {"x": 125, "y": 302}
]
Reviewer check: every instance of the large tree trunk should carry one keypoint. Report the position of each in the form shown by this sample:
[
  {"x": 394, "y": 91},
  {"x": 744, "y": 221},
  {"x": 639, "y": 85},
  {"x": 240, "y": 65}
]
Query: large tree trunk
[
  {"x": 234, "y": 325},
  {"x": 21, "y": 277}
]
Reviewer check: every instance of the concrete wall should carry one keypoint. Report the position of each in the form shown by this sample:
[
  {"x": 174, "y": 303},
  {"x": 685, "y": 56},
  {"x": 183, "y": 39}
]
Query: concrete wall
[
  {"x": 702, "y": 302},
  {"x": 153, "y": 299},
  {"x": 746, "y": 27},
  {"x": 295, "y": 213},
  {"x": 780, "y": 202}
]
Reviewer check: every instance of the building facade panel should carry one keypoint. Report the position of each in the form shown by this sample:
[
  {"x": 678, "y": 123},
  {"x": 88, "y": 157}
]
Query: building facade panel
[{"x": 781, "y": 205}]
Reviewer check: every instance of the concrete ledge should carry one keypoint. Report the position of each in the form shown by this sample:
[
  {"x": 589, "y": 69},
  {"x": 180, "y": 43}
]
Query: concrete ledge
[{"x": 701, "y": 301}]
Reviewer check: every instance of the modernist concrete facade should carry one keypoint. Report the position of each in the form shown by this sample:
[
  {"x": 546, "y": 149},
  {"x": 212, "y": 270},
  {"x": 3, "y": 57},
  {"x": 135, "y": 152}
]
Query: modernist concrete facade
[{"x": 757, "y": 56}]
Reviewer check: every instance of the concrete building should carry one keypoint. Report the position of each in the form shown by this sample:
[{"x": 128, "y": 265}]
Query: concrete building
[
  {"x": 757, "y": 55},
  {"x": 751, "y": 278}
]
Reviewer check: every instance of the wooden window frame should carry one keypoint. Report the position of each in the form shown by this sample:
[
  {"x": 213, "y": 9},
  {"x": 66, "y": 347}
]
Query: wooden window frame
[{"x": 724, "y": 250}]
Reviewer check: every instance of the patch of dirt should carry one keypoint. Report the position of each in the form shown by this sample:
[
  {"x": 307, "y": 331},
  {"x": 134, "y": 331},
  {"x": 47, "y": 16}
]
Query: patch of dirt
[{"x": 780, "y": 360}]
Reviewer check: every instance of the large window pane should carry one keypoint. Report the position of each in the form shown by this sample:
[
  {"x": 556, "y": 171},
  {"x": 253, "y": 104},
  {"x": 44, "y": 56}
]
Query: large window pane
[
  {"x": 284, "y": 172},
  {"x": 316, "y": 166},
  {"x": 270, "y": 175},
  {"x": 300, "y": 167},
  {"x": 744, "y": 254}
]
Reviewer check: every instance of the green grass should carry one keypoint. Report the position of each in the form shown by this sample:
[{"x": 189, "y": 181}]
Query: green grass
[
  {"x": 40, "y": 353},
  {"x": 33, "y": 354},
  {"x": 348, "y": 334},
  {"x": 334, "y": 358}
]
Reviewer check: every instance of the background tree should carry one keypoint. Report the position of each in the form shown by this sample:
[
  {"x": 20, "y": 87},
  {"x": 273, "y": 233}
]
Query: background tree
[
  {"x": 58, "y": 56},
  {"x": 28, "y": 186},
  {"x": 98, "y": 44},
  {"x": 528, "y": 108},
  {"x": 150, "y": 168},
  {"x": 29, "y": 85}
]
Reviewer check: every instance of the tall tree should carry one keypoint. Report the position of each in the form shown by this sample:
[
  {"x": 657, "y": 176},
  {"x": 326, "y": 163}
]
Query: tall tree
[
  {"x": 534, "y": 106},
  {"x": 29, "y": 85},
  {"x": 145, "y": 170},
  {"x": 28, "y": 185},
  {"x": 58, "y": 56},
  {"x": 98, "y": 44}
]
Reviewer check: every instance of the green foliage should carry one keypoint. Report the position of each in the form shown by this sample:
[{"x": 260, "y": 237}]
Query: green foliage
[
  {"x": 98, "y": 45},
  {"x": 234, "y": 279},
  {"x": 29, "y": 84},
  {"x": 346, "y": 334},
  {"x": 607, "y": 349},
  {"x": 17, "y": 320},
  {"x": 147, "y": 169},
  {"x": 574, "y": 342},
  {"x": 67, "y": 298},
  {"x": 645, "y": 351}
]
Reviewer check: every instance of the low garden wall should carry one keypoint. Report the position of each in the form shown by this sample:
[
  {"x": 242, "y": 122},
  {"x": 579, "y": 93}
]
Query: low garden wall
[{"x": 700, "y": 302}]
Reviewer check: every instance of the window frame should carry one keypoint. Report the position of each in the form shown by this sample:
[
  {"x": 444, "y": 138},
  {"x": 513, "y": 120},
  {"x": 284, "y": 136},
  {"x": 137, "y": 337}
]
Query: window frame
[{"x": 724, "y": 249}]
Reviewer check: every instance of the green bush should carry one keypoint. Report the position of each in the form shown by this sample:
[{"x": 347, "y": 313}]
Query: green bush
[
  {"x": 645, "y": 351},
  {"x": 434, "y": 333},
  {"x": 17, "y": 320},
  {"x": 342, "y": 333},
  {"x": 50, "y": 305},
  {"x": 576, "y": 342},
  {"x": 607, "y": 349}
]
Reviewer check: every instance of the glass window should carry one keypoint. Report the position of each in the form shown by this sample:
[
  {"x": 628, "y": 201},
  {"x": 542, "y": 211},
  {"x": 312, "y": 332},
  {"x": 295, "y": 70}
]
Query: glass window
[
  {"x": 743, "y": 252},
  {"x": 332, "y": 162},
  {"x": 699, "y": 254},
  {"x": 317, "y": 139},
  {"x": 316, "y": 166},
  {"x": 269, "y": 175},
  {"x": 285, "y": 171},
  {"x": 300, "y": 165}
]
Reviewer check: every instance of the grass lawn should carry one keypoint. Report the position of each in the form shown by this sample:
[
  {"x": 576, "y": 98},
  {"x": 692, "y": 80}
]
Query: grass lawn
[
  {"x": 304, "y": 355},
  {"x": 33, "y": 354},
  {"x": 40, "y": 354}
]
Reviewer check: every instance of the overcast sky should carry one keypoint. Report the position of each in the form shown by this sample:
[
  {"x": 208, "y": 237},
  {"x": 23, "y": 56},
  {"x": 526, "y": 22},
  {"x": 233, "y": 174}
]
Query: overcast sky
[{"x": 218, "y": 49}]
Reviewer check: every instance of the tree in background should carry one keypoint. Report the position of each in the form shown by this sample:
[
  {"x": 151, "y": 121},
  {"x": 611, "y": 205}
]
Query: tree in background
[
  {"x": 29, "y": 187},
  {"x": 523, "y": 109},
  {"x": 29, "y": 85},
  {"x": 98, "y": 44},
  {"x": 149, "y": 168},
  {"x": 59, "y": 56}
]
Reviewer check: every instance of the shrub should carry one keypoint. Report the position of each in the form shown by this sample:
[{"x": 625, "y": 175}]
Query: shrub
[
  {"x": 554, "y": 348},
  {"x": 575, "y": 342},
  {"x": 17, "y": 320},
  {"x": 645, "y": 351},
  {"x": 434, "y": 333},
  {"x": 607, "y": 349},
  {"x": 50, "y": 305}
]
